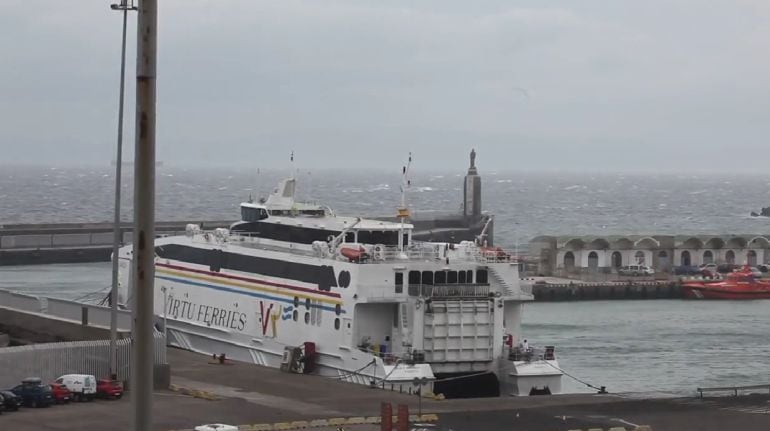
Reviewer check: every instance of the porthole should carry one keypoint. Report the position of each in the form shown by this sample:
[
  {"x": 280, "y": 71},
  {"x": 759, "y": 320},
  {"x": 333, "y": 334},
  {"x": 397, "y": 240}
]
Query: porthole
[
  {"x": 338, "y": 309},
  {"x": 296, "y": 301},
  {"x": 296, "y": 315},
  {"x": 307, "y": 317},
  {"x": 307, "y": 303},
  {"x": 337, "y": 323}
]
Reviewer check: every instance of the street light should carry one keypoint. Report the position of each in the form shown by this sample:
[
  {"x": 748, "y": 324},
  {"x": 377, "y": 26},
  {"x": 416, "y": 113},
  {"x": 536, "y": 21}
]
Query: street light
[{"x": 125, "y": 6}]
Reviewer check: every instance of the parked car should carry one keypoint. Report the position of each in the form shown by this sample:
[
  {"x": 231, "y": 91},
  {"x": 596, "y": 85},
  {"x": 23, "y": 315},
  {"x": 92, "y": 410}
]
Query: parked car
[
  {"x": 107, "y": 388},
  {"x": 34, "y": 393},
  {"x": 82, "y": 386},
  {"x": 687, "y": 270},
  {"x": 635, "y": 270},
  {"x": 2, "y": 405},
  {"x": 727, "y": 268},
  {"x": 11, "y": 401},
  {"x": 711, "y": 268},
  {"x": 61, "y": 394}
]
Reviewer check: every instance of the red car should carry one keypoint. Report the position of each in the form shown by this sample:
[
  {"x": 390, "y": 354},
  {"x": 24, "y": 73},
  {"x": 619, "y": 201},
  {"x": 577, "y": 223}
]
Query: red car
[
  {"x": 61, "y": 394},
  {"x": 107, "y": 388}
]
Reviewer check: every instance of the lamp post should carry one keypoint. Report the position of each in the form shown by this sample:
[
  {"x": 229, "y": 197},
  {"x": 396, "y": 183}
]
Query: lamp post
[{"x": 124, "y": 6}]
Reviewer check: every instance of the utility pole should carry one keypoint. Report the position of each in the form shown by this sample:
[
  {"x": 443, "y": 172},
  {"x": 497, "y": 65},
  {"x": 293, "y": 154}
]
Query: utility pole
[
  {"x": 116, "y": 240},
  {"x": 144, "y": 216}
]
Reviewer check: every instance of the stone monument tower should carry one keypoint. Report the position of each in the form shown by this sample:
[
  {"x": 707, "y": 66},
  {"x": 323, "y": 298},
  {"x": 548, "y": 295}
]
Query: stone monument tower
[{"x": 472, "y": 190}]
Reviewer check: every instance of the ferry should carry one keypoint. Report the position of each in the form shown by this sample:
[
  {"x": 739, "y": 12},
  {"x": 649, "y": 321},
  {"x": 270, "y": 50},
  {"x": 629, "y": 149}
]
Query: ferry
[{"x": 292, "y": 285}]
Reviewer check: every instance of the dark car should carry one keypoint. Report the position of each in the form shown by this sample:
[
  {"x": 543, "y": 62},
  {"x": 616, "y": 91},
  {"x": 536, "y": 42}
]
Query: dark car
[
  {"x": 688, "y": 270},
  {"x": 11, "y": 401},
  {"x": 727, "y": 268},
  {"x": 34, "y": 393}
]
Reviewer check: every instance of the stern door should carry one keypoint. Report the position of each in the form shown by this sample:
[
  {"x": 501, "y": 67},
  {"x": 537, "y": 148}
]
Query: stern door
[{"x": 459, "y": 331}]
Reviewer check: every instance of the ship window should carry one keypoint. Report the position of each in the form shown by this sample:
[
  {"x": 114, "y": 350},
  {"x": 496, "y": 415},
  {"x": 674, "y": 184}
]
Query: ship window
[
  {"x": 399, "y": 279},
  {"x": 350, "y": 237},
  {"x": 307, "y": 303},
  {"x": 337, "y": 323},
  {"x": 295, "y": 315},
  {"x": 307, "y": 317},
  {"x": 375, "y": 237},
  {"x": 452, "y": 277},
  {"x": 399, "y": 288},
  {"x": 215, "y": 260},
  {"x": 414, "y": 277},
  {"x": 482, "y": 276},
  {"x": 337, "y": 309},
  {"x": 440, "y": 277},
  {"x": 461, "y": 277},
  {"x": 427, "y": 277},
  {"x": 469, "y": 276},
  {"x": 296, "y": 301}
]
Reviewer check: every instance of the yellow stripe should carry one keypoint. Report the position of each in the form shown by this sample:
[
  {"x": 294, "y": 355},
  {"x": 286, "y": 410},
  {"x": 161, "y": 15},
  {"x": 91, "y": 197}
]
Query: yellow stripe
[{"x": 249, "y": 286}]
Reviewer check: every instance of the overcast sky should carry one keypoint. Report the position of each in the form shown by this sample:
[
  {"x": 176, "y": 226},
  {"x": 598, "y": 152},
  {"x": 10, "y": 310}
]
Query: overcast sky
[{"x": 578, "y": 85}]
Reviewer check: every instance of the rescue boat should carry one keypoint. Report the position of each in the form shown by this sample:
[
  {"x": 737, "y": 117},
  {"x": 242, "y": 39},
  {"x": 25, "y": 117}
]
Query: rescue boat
[{"x": 740, "y": 284}]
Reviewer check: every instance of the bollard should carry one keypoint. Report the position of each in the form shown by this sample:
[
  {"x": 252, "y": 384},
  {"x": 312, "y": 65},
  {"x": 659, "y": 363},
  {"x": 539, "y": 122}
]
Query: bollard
[
  {"x": 403, "y": 418},
  {"x": 386, "y": 412}
]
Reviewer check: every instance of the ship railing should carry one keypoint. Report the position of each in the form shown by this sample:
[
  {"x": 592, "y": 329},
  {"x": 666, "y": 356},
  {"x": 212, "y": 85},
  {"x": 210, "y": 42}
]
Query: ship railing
[
  {"x": 518, "y": 353},
  {"x": 477, "y": 290},
  {"x": 492, "y": 255},
  {"x": 389, "y": 253}
]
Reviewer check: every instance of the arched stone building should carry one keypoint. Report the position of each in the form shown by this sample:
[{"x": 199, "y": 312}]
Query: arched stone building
[{"x": 558, "y": 254}]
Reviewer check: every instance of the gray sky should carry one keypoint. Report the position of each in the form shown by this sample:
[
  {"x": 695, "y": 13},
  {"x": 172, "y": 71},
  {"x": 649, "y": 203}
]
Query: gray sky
[{"x": 582, "y": 85}]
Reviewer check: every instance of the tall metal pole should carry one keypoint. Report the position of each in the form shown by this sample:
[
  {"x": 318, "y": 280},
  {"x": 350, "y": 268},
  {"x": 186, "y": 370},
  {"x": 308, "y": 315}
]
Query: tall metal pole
[
  {"x": 144, "y": 216},
  {"x": 117, "y": 240}
]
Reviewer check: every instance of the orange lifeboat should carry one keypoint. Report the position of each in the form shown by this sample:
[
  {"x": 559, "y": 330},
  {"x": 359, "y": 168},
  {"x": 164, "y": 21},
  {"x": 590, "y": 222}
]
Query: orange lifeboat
[{"x": 354, "y": 254}]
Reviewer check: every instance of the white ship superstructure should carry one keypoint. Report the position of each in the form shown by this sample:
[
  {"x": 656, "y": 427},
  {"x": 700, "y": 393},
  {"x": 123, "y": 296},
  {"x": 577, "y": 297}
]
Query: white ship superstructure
[{"x": 294, "y": 285}]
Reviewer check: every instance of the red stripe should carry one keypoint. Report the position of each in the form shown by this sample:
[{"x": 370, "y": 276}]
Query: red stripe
[{"x": 250, "y": 280}]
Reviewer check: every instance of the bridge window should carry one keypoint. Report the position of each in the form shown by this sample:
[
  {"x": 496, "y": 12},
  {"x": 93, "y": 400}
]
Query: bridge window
[
  {"x": 427, "y": 277},
  {"x": 461, "y": 277},
  {"x": 451, "y": 277},
  {"x": 414, "y": 277},
  {"x": 440, "y": 277},
  {"x": 482, "y": 276}
]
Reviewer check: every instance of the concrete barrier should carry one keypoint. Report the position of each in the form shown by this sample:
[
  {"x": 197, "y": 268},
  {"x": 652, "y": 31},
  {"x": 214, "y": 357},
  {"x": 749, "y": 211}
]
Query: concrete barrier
[
  {"x": 25, "y": 241},
  {"x": 71, "y": 239}
]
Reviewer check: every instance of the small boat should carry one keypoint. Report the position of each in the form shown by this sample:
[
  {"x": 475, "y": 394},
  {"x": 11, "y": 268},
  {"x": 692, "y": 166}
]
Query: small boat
[{"x": 741, "y": 284}]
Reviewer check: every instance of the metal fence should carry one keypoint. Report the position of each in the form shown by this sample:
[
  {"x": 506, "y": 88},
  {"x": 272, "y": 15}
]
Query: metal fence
[{"x": 51, "y": 360}]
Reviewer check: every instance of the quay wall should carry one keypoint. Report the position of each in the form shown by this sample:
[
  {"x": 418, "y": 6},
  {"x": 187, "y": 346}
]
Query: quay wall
[{"x": 552, "y": 292}]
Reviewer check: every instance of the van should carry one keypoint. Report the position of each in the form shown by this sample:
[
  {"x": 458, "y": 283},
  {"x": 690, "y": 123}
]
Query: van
[
  {"x": 636, "y": 270},
  {"x": 83, "y": 386}
]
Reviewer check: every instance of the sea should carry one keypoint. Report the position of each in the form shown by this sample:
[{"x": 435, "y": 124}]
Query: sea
[{"x": 646, "y": 347}]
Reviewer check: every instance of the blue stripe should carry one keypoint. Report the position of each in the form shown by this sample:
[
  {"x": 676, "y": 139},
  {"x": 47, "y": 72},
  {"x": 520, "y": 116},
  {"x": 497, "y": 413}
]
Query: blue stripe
[{"x": 241, "y": 292}]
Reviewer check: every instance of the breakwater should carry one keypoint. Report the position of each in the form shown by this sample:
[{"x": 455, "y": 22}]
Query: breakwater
[{"x": 28, "y": 244}]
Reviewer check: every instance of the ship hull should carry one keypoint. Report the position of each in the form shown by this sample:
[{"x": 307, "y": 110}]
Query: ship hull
[{"x": 706, "y": 292}]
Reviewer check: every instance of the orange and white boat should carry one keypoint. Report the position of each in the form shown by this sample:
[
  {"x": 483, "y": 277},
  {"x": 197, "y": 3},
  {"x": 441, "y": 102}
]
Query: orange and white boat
[{"x": 741, "y": 284}]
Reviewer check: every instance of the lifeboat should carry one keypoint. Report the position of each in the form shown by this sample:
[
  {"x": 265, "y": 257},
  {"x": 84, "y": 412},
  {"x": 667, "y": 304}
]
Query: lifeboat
[
  {"x": 737, "y": 285},
  {"x": 354, "y": 254}
]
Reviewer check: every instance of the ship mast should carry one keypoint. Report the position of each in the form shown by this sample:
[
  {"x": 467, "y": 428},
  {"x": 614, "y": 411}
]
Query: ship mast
[{"x": 403, "y": 210}]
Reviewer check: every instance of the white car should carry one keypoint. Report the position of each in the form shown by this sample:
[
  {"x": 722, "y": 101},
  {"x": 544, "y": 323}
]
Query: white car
[
  {"x": 216, "y": 427},
  {"x": 636, "y": 270},
  {"x": 83, "y": 386}
]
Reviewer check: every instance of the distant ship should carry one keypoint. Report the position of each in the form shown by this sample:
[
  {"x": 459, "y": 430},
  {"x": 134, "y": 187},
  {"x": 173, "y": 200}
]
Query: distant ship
[
  {"x": 740, "y": 284},
  {"x": 293, "y": 285}
]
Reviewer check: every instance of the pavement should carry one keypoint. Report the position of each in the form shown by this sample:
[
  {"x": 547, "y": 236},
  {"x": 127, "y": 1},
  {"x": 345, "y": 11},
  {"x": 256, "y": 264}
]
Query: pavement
[{"x": 260, "y": 398}]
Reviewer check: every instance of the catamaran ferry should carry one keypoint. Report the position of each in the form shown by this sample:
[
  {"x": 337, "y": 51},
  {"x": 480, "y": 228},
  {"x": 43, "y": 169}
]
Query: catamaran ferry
[{"x": 293, "y": 285}]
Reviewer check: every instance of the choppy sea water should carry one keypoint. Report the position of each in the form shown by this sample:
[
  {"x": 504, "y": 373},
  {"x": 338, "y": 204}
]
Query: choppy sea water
[
  {"x": 524, "y": 204},
  {"x": 668, "y": 346}
]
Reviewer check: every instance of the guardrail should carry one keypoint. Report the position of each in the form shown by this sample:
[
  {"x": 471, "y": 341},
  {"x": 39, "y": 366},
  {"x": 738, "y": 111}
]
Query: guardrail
[
  {"x": 86, "y": 314},
  {"x": 733, "y": 389}
]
